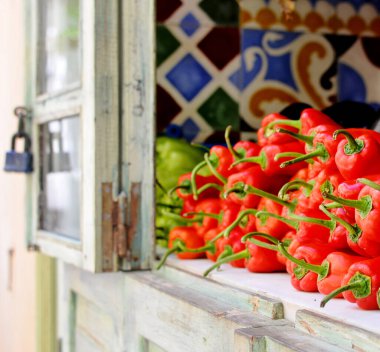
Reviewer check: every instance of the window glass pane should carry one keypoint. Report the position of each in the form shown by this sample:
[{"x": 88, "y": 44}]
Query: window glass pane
[
  {"x": 58, "y": 61},
  {"x": 60, "y": 181}
]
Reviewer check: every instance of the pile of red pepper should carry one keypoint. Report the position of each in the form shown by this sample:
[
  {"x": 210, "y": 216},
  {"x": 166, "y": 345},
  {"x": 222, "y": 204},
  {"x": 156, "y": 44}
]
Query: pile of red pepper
[{"x": 304, "y": 199}]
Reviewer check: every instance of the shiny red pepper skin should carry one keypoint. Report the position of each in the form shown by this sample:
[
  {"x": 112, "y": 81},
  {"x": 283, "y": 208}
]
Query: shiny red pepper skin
[
  {"x": 311, "y": 118},
  {"x": 371, "y": 269},
  {"x": 188, "y": 235},
  {"x": 272, "y": 167},
  {"x": 270, "y": 225},
  {"x": 339, "y": 236},
  {"x": 186, "y": 193},
  {"x": 262, "y": 260},
  {"x": 212, "y": 206},
  {"x": 370, "y": 224},
  {"x": 221, "y": 159},
  {"x": 273, "y": 137},
  {"x": 230, "y": 211},
  {"x": 333, "y": 176},
  {"x": 253, "y": 177},
  {"x": 245, "y": 149},
  {"x": 354, "y": 160},
  {"x": 313, "y": 253},
  {"x": 289, "y": 236},
  {"x": 339, "y": 263}
]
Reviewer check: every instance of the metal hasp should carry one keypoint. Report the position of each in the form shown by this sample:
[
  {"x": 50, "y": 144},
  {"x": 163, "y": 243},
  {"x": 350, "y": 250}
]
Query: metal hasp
[{"x": 20, "y": 161}]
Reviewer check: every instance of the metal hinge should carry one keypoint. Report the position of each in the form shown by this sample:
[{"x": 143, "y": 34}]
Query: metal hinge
[
  {"x": 119, "y": 222},
  {"x": 114, "y": 227}
]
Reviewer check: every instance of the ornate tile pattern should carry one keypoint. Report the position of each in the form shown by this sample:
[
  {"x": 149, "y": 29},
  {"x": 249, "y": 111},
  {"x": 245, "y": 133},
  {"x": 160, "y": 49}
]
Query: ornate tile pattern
[
  {"x": 359, "y": 17},
  {"x": 218, "y": 64},
  {"x": 194, "y": 90}
]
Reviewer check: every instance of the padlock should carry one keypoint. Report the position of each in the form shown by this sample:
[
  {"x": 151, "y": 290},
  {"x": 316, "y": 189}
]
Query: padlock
[{"x": 19, "y": 162}]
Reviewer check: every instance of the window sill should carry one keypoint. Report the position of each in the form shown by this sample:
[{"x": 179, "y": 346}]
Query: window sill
[{"x": 277, "y": 287}]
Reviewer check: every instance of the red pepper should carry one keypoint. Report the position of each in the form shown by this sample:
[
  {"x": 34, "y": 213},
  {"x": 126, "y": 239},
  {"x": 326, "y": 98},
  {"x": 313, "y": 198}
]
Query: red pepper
[
  {"x": 181, "y": 240},
  {"x": 209, "y": 209},
  {"x": 287, "y": 240},
  {"x": 357, "y": 239},
  {"x": 309, "y": 118},
  {"x": 230, "y": 211},
  {"x": 360, "y": 285},
  {"x": 218, "y": 161},
  {"x": 367, "y": 208},
  {"x": 241, "y": 150},
  {"x": 337, "y": 234},
  {"x": 257, "y": 259},
  {"x": 330, "y": 272},
  {"x": 271, "y": 224},
  {"x": 314, "y": 253},
  {"x": 270, "y": 164},
  {"x": 269, "y": 136},
  {"x": 252, "y": 176},
  {"x": 355, "y": 156},
  {"x": 320, "y": 146},
  {"x": 184, "y": 190}
]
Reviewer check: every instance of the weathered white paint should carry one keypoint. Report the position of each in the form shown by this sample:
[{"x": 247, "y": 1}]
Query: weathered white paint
[
  {"x": 96, "y": 100},
  {"x": 17, "y": 270},
  {"x": 277, "y": 286}
]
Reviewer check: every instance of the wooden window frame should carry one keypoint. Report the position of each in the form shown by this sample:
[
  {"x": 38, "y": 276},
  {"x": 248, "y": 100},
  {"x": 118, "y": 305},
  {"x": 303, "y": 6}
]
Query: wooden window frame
[{"x": 96, "y": 101}]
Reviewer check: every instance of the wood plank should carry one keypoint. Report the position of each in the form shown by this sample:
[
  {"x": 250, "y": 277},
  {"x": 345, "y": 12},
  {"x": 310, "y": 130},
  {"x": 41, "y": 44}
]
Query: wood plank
[
  {"x": 337, "y": 333},
  {"x": 46, "y": 304},
  {"x": 180, "y": 319},
  {"x": 273, "y": 339},
  {"x": 278, "y": 286},
  {"x": 138, "y": 127},
  {"x": 240, "y": 299}
]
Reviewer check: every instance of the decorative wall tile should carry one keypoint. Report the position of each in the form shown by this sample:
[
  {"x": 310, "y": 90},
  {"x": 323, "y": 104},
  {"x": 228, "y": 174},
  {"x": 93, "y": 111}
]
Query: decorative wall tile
[
  {"x": 195, "y": 91},
  {"x": 359, "y": 17},
  {"x": 206, "y": 12},
  {"x": 359, "y": 72},
  {"x": 213, "y": 70},
  {"x": 280, "y": 68}
]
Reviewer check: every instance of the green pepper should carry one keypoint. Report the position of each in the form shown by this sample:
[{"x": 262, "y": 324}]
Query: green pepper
[{"x": 174, "y": 157}]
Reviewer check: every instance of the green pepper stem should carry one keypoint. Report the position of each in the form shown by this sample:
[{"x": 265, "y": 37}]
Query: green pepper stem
[
  {"x": 318, "y": 269},
  {"x": 214, "y": 171},
  {"x": 236, "y": 256},
  {"x": 200, "y": 146},
  {"x": 234, "y": 153},
  {"x": 378, "y": 298},
  {"x": 317, "y": 152},
  {"x": 292, "y": 123},
  {"x": 364, "y": 204},
  {"x": 353, "y": 146},
  {"x": 306, "y": 139},
  {"x": 249, "y": 237},
  {"x": 260, "y": 159},
  {"x": 160, "y": 186},
  {"x": 369, "y": 183},
  {"x": 197, "y": 168},
  {"x": 295, "y": 184},
  {"x": 289, "y": 222},
  {"x": 210, "y": 185},
  {"x": 170, "y": 206},
  {"x": 333, "y": 205},
  {"x": 204, "y": 214},
  {"x": 184, "y": 187},
  {"x": 179, "y": 217},
  {"x": 291, "y": 154},
  {"x": 210, "y": 247},
  {"x": 330, "y": 224},
  {"x": 353, "y": 231},
  {"x": 226, "y": 252},
  {"x": 236, "y": 222},
  {"x": 178, "y": 245},
  {"x": 336, "y": 292},
  {"x": 253, "y": 190}
]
